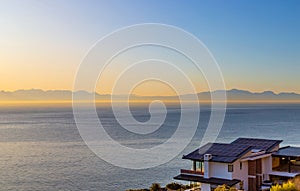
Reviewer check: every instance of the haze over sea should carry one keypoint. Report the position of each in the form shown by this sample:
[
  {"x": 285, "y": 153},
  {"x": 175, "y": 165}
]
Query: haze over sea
[{"x": 41, "y": 148}]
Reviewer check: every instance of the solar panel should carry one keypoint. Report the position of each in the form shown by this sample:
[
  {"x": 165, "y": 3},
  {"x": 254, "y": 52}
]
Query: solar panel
[
  {"x": 230, "y": 152},
  {"x": 263, "y": 144}
]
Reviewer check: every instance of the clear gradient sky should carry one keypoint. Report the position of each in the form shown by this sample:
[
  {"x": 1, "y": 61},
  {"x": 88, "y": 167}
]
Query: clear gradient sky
[{"x": 256, "y": 43}]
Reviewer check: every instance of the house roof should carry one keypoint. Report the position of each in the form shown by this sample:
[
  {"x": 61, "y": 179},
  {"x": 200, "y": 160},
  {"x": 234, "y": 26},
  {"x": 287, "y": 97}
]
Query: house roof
[
  {"x": 221, "y": 152},
  {"x": 288, "y": 152},
  {"x": 228, "y": 153},
  {"x": 260, "y": 144},
  {"x": 212, "y": 180},
  {"x": 256, "y": 156}
]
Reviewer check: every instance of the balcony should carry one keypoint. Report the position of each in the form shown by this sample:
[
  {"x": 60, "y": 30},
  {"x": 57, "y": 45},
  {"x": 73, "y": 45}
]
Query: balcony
[
  {"x": 284, "y": 168},
  {"x": 291, "y": 168},
  {"x": 191, "y": 172},
  {"x": 286, "y": 164},
  {"x": 286, "y": 159}
]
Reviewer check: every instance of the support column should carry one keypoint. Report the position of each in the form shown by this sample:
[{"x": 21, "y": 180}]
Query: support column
[
  {"x": 289, "y": 162},
  {"x": 205, "y": 187},
  {"x": 207, "y": 157}
]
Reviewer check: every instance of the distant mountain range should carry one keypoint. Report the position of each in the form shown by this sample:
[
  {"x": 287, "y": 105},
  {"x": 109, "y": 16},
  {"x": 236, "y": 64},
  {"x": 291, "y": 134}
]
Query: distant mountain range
[{"x": 65, "y": 95}]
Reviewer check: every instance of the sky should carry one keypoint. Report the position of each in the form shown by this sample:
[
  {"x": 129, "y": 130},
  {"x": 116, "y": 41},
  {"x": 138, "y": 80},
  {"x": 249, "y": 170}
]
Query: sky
[{"x": 256, "y": 43}]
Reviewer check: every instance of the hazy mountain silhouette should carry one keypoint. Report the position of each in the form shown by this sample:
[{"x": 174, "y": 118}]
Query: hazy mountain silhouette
[{"x": 66, "y": 95}]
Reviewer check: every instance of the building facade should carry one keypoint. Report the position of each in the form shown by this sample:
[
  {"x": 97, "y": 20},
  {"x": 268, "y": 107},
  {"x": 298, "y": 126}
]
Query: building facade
[{"x": 246, "y": 163}]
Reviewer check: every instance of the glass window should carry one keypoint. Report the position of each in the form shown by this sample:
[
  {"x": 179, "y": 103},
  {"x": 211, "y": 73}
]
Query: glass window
[
  {"x": 200, "y": 166},
  {"x": 230, "y": 168}
]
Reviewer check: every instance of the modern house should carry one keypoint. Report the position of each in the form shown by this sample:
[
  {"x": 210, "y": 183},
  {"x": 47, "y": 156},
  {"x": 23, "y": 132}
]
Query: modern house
[{"x": 246, "y": 163}]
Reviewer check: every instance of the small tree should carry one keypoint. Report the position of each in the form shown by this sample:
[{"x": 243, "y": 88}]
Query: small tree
[
  {"x": 155, "y": 187},
  {"x": 174, "y": 186}
]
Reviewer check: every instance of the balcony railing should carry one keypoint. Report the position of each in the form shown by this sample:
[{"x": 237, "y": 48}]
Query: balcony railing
[
  {"x": 191, "y": 172},
  {"x": 291, "y": 168}
]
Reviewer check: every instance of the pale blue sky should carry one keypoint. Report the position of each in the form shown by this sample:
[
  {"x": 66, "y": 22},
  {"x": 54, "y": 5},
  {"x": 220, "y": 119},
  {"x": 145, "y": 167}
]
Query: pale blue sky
[{"x": 256, "y": 43}]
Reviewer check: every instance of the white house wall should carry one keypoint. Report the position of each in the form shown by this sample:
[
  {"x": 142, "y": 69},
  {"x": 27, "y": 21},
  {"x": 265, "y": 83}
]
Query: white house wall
[
  {"x": 266, "y": 167},
  {"x": 241, "y": 174},
  {"x": 219, "y": 170}
]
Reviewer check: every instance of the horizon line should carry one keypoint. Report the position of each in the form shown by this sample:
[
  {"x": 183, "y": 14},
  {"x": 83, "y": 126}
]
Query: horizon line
[
  {"x": 138, "y": 102},
  {"x": 207, "y": 91}
]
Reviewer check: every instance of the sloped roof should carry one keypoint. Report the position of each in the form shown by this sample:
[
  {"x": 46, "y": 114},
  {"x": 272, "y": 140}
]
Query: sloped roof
[
  {"x": 288, "y": 152},
  {"x": 261, "y": 144},
  {"x": 221, "y": 152},
  {"x": 228, "y": 153}
]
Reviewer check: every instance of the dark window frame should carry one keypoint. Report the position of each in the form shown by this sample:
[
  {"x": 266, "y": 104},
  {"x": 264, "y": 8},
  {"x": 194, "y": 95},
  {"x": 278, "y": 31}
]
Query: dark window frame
[{"x": 230, "y": 168}]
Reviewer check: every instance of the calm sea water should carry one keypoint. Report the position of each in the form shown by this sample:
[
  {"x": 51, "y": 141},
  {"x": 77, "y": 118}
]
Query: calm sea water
[{"x": 41, "y": 149}]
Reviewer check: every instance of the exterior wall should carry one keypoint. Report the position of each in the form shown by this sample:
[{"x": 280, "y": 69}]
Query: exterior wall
[
  {"x": 266, "y": 167},
  {"x": 276, "y": 148},
  {"x": 244, "y": 172},
  {"x": 275, "y": 162},
  {"x": 258, "y": 172},
  {"x": 247, "y": 154},
  {"x": 219, "y": 170},
  {"x": 252, "y": 175},
  {"x": 241, "y": 174}
]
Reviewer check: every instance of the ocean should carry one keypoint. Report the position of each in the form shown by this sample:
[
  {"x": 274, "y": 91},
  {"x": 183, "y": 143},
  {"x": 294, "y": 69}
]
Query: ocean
[{"x": 41, "y": 149}]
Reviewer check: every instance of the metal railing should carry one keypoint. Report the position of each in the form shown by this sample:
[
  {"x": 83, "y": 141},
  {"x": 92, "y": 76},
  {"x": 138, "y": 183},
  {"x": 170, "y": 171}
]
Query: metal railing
[{"x": 193, "y": 172}]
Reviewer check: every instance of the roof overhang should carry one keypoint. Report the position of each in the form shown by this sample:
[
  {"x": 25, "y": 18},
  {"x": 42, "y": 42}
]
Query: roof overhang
[
  {"x": 212, "y": 180},
  {"x": 255, "y": 157},
  {"x": 287, "y": 152},
  {"x": 284, "y": 174}
]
